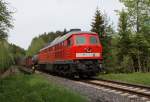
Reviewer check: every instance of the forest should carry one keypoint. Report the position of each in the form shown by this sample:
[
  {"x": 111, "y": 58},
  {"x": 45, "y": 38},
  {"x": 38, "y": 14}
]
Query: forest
[
  {"x": 9, "y": 53},
  {"x": 125, "y": 50}
]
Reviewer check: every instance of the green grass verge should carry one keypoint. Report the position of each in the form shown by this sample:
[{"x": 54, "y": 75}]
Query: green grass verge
[
  {"x": 34, "y": 88},
  {"x": 135, "y": 78}
]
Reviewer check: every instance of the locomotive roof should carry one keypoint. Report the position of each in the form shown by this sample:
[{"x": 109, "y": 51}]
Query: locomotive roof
[{"x": 64, "y": 37}]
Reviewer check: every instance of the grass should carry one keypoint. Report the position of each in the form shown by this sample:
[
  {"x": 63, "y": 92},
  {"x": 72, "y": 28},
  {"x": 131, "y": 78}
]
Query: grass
[
  {"x": 135, "y": 78},
  {"x": 34, "y": 88}
]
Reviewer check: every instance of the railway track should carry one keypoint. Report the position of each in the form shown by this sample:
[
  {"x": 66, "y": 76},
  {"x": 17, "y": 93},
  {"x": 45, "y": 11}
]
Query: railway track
[
  {"x": 133, "y": 89},
  {"x": 138, "y": 90}
]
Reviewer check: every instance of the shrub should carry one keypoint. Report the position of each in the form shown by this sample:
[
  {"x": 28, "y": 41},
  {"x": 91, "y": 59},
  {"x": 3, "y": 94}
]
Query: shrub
[{"x": 6, "y": 58}]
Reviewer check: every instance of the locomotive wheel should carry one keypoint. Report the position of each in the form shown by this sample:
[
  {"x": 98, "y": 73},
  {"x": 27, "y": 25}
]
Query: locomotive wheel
[
  {"x": 82, "y": 76},
  {"x": 42, "y": 66},
  {"x": 88, "y": 69}
]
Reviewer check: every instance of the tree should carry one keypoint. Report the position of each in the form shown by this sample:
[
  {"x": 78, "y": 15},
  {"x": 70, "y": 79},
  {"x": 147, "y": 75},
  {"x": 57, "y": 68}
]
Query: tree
[
  {"x": 17, "y": 52},
  {"x": 138, "y": 12},
  {"x": 6, "y": 58},
  {"x": 124, "y": 33},
  {"x": 41, "y": 41},
  {"x": 98, "y": 23},
  {"x": 125, "y": 57},
  {"x": 36, "y": 45},
  {"x": 101, "y": 26},
  {"x": 65, "y": 31},
  {"x": 5, "y": 19}
]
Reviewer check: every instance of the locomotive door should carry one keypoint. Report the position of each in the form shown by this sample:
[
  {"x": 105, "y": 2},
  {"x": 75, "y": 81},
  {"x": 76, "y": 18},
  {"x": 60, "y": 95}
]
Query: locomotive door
[{"x": 68, "y": 49}]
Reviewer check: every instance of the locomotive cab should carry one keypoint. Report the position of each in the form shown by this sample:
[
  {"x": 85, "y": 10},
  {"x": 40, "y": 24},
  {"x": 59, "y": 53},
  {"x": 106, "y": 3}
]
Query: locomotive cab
[
  {"x": 87, "y": 46},
  {"x": 86, "y": 51}
]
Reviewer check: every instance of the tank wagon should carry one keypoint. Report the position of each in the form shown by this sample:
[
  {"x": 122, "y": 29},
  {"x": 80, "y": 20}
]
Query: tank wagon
[{"x": 75, "y": 53}]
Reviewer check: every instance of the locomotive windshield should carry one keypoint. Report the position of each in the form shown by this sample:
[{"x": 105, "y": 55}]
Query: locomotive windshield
[
  {"x": 93, "y": 40},
  {"x": 80, "y": 40}
]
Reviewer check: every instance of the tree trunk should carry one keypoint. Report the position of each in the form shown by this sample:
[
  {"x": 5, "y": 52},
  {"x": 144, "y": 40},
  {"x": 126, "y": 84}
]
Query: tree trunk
[
  {"x": 139, "y": 62},
  {"x": 135, "y": 63}
]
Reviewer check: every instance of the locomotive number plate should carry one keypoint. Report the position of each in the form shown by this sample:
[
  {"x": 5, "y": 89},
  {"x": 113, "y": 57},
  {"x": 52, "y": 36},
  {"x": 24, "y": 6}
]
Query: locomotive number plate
[{"x": 87, "y": 54}]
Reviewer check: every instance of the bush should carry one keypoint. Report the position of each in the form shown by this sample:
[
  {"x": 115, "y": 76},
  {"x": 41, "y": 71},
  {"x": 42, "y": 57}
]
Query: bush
[{"x": 6, "y": 58}]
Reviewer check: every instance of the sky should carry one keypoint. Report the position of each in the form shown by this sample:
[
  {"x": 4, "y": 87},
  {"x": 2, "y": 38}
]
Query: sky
[{"x": 34, "y": 17}]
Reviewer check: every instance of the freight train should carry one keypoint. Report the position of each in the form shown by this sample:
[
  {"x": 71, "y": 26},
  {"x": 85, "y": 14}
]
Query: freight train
[{"x": 77, "y": 53}]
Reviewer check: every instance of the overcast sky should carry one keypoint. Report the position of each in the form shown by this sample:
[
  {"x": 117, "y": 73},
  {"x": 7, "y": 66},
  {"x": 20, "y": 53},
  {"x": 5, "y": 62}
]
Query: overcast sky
[{"x": 33, "y": 17}]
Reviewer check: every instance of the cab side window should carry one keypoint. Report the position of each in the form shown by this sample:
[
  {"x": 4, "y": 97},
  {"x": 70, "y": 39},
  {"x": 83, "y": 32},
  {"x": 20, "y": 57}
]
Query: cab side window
[{"x": 69, "y": 42}]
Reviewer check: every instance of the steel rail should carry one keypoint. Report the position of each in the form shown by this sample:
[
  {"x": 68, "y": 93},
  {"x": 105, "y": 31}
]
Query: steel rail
[
  {"x": 147, "y": 95},
  {"x": 125, "y": 83}
]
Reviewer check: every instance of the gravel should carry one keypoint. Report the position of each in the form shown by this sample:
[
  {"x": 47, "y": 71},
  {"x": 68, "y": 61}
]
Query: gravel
[{"x": 93, "y": 93}]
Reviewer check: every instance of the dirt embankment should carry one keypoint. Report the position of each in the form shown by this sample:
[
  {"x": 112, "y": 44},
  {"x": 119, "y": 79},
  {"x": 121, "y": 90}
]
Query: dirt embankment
[{"x": 12, "y": 70}]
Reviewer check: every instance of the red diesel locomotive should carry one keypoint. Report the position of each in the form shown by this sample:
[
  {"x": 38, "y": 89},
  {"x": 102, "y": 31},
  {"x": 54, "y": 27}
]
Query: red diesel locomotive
[{"x": 75, "y": 53}]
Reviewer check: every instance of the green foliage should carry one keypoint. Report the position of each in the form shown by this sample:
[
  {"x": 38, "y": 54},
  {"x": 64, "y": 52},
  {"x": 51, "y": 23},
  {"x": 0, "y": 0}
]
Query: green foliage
[
  {"x": 135, "y": 78},
  {"x": 36, "y": 45},
  {"x": 5, "y": 19},
  {"x": 124, "y": 36},
  {"x": 138, "y": 12},
  {"x": 126, "y": 65},
  {"x": 9, "y": 54},
  {"x": 101, "y": 26},
  {"x": 140, "y": 53},
  {"x": 6, "y": 58},
  {"x": 131, "y": 48},
  {"x": 33, "y": 88},
  {"x": 41, "y": 41},
  {"x": 130, "y": 55},
  {"x": 98, "y": 23},
  {"x": 17, "y": 52}
]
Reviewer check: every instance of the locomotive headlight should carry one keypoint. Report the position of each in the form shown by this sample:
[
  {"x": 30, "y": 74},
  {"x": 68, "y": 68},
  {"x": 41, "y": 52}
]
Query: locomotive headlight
[{"x": 97, "y": 54}]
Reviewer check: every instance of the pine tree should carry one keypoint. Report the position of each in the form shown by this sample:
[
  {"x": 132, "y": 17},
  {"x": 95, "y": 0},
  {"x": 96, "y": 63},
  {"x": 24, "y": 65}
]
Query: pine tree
[
  {"x": 124, "y": 42},
  {"x": 124, "y": 32},
  {"x": 65, "y": 31},
  {"x": 98, "y": 23}
]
